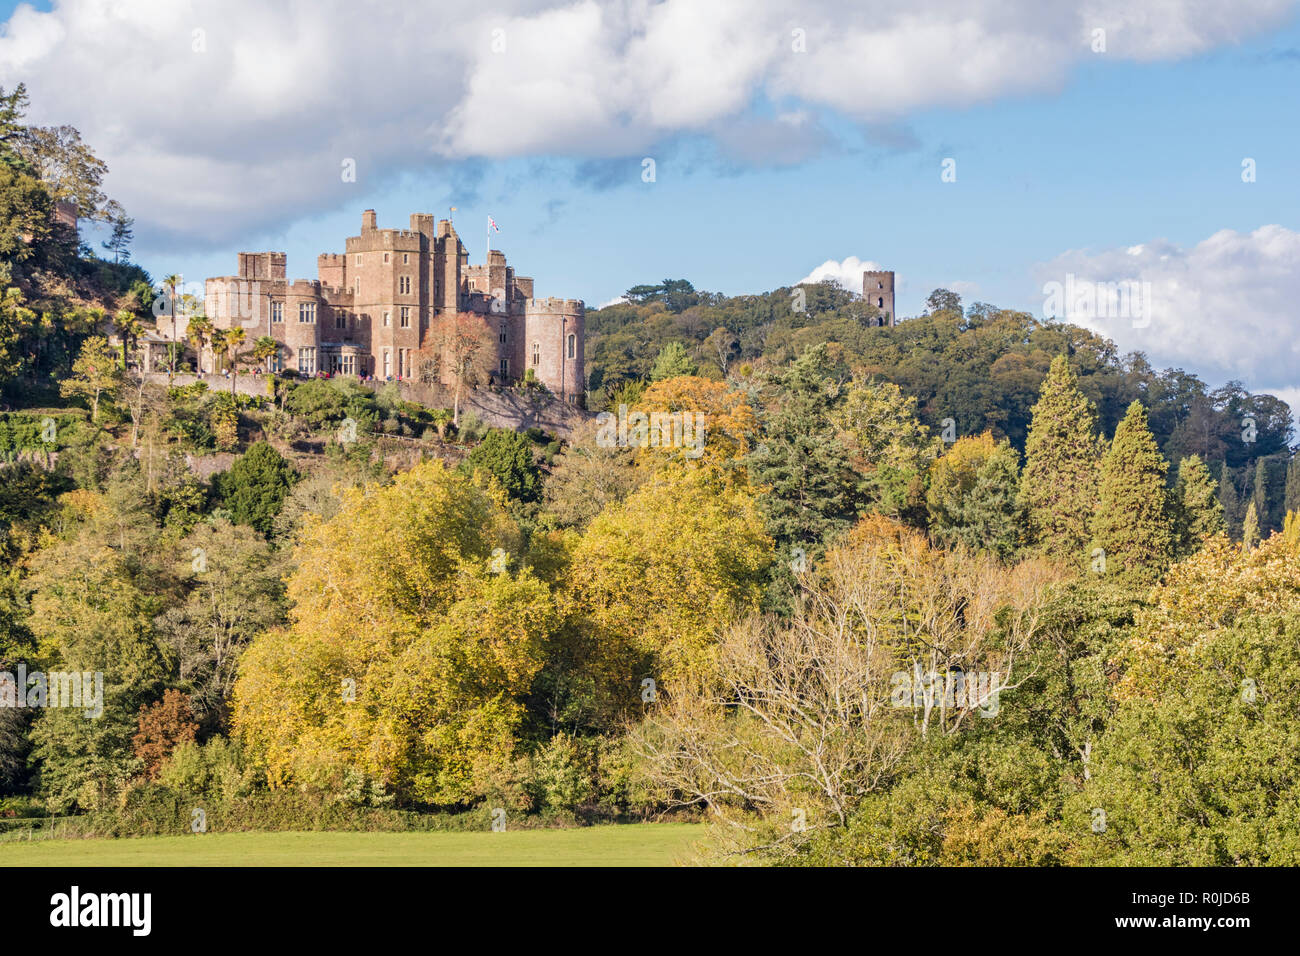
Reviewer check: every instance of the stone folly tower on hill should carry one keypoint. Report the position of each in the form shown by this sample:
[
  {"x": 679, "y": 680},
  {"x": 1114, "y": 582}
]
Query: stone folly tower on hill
[
  {"x": 878, "y": 289},
  {"x": 394, "y": 302}
]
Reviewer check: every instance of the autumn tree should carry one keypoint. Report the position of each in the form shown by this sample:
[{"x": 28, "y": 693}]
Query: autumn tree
[
  {"x": 367, "y": 677},
  {"x": 724, "y": 425},
  {"x": 660, "y": 574},
  {"x": 163, "y": 726},
  {"x": 587, "y": 476}
]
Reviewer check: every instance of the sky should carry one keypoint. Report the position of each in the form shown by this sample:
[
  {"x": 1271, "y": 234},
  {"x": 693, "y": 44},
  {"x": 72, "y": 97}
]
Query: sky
[{"x": 992, "y": 147}]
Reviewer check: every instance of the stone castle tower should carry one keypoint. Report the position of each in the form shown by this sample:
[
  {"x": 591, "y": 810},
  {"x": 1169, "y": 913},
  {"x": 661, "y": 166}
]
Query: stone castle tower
[
  {"x": 397, "y": 300},
  {"x": 878, "y": 289}
]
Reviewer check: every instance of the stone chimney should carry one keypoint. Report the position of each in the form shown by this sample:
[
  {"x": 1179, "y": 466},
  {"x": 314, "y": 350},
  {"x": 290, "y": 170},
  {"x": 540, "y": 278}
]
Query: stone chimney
[{"x": 368, "y": 221}]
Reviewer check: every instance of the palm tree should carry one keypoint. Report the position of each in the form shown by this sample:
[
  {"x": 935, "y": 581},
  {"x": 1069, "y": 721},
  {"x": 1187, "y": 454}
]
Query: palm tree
[
  {"x": 265, "y": 349},
  {"x": 170, "y": 283},
  {"x": 200, "y": 333},
  {"x": 233, "y": 339},
  {"x": 129, "y": 328}
]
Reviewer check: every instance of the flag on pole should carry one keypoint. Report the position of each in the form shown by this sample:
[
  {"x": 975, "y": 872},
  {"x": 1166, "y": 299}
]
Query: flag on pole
[{"x": 492, "y": 224}]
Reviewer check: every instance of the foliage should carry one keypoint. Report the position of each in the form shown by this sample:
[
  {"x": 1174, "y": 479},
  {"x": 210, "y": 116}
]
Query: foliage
[{"x": 254, "y": 488}]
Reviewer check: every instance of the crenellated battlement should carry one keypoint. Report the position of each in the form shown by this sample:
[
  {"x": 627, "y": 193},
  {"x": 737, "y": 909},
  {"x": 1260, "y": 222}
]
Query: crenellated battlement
[{"x": 391, "y": 291}]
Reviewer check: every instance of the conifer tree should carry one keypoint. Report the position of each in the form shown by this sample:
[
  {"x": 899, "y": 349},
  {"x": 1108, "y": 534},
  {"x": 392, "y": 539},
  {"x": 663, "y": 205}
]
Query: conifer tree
[
  {"x": 1262, "y": 496},
  {"x": 1291, "y": 494},
  {"x": 1132, "y": 522},
  {"x": 1231, "y": 505},
  {"x": 1250, "y": 528},
  {"x": 1058, "y": 487},
  {"x": 1198, "y": 513}
]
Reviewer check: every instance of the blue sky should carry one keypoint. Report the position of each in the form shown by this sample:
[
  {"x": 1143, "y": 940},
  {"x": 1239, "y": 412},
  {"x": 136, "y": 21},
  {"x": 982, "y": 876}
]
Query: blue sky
[{"x": 1063, "y": 167}]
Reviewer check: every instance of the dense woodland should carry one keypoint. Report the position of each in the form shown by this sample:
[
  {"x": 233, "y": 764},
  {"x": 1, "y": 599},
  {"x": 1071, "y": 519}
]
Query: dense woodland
[{"x": 971, "y": 590}]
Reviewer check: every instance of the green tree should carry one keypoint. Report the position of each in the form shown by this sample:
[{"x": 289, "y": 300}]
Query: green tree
[
  {"x": 264, "y": 349},
  {"x": 673, "y": 360},
  {"x": 508, "y": 456},
  {"x": 129, "y": 328},
  {"x": 1291, "y": 494},
  {"x": 1198, "y": 513},
  {"x": 1262, "y": 496},
  {"x": 254, "y": 488},
  {"x": 972, "y": 498},
  {"x": 1250, "y": 535},
  {"x": 1058, "y": 487},
  {"x": 95, "y": 374},
  {"x": 1132, "y": 522},
  {"x": 1232, "y": 515},
  {"x": 802, "y": 462},
  {"x": 119, "y": 241}
]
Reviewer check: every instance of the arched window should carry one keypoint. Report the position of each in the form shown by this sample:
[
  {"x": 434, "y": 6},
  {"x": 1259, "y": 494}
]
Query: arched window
[{"x": 537, "y": 354}]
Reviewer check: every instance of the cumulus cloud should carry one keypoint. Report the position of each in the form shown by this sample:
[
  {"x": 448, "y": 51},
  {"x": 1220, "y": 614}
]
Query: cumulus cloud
[
  {"x": 1224, "y": 308},
  {"x": 846, "y": 272},
  {"x": 218, "y": 118}
]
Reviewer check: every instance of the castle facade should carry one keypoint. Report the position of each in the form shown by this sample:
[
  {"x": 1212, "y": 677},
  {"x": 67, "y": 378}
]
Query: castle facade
[{"x": 399, "y": 303}]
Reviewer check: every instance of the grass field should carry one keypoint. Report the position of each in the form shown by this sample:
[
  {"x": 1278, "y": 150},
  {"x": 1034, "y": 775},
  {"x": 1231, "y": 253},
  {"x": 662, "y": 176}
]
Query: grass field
[{"x": 639, "y": 844}]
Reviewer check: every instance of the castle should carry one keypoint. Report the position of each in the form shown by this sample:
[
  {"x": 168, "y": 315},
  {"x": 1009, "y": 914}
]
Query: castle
[{"x": 403, "y": 304}]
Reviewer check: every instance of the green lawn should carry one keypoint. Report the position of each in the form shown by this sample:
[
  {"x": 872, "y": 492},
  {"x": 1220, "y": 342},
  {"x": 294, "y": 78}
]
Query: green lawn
[{"x": 638, "y": 844}]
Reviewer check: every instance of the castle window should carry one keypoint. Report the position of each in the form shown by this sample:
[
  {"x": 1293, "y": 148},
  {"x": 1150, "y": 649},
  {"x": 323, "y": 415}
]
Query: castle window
[
  {"x": 340, "y": 319},
  {"x": 573, "y": 346},
  {"x": 404, "y": 285},
  {"x": 387, "y": 257},
  {"x": 357, "y": 259},
  {"x": 388, "y": 319},
  {"x": 503, "y": 332},
  {"x": 406, "y": 317},
  {"x": 277, "y": 311},
  {"x": 307, "y": 361},
  {"x": 537, "y": 354},
  {"x": 880, "y": 302},
  {"x": 406, "y": 258},
  {"x": 356, "y": 287},
  {"x": 307, "y": 313},
  {"x": 349, "y": 364},
  {"x": 388, "y": 363},
  {"x": 505, "y": 368}
]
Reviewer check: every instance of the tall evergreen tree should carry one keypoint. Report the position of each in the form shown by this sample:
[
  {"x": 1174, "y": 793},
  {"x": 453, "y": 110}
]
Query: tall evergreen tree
[
  {"x": 1291, "y": 494},
  {"x": 1250, "y": 527},
  {"x": 810, "y": 488},
  {"x": 1058, "y": 487},
  {"x": 1231, "y": 503},
  {"x": 1132, "y": 521},
  {"x": 1198, "y": 513},
  {"x": 1263, "y": 497}
]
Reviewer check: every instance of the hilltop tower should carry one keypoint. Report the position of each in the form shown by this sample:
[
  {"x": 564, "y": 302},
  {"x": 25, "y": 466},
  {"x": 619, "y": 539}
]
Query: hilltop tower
[{"x": 878, "y": 289}]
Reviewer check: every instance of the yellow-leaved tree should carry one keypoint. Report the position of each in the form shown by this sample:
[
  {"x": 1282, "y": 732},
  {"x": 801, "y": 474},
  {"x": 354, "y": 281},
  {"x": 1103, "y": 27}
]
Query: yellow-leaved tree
[
  {"x": 659, "y": 575},
  {"x": 411, "y": 646}
]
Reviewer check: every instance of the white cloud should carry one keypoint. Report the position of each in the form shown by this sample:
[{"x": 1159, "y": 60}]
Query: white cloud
[
  {"x": 847, "y": 272},
  {"x": 1224, "y": 308},
  {"x": 255, "y": 127}
]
